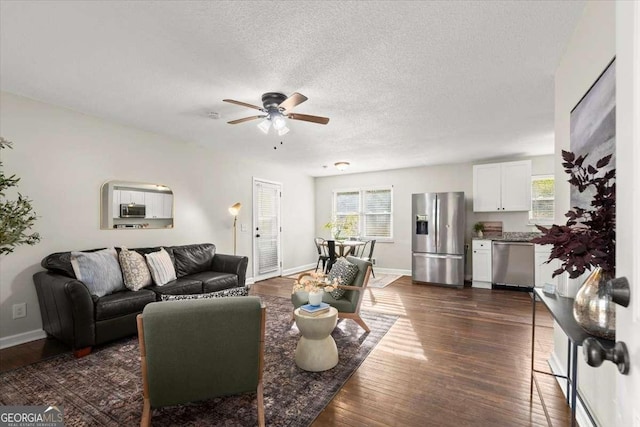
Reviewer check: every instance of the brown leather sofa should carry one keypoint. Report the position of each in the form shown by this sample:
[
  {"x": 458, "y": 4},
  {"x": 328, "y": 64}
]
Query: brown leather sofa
[{"x": 71, "y": 314}]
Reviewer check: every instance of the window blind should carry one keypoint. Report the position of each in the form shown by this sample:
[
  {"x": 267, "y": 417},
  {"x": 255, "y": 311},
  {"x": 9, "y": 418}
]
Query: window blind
[
  {"x": 542, "y": 199},
  {"x": 370, "y": 210}
]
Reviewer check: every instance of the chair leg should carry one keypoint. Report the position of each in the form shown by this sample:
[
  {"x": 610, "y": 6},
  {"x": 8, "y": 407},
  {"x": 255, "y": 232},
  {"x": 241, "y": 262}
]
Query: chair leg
[
  {"x": 372, "y": 273},
  {"x": 360, "y": 322},
  {"x": 260, "y": 400},
  {"x": 318, "y": 264},
  {"x": 146, "y": 414}
]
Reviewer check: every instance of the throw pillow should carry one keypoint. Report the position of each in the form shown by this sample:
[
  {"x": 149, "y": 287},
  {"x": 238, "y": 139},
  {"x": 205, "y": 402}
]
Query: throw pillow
[
  {"x": 99, "y": 270},
  {"x": 345, "y": 272},
  {"x": 161, "y": 267},
  {"x": 134, "y": 270},
  {"x": 233, "y": 292}
]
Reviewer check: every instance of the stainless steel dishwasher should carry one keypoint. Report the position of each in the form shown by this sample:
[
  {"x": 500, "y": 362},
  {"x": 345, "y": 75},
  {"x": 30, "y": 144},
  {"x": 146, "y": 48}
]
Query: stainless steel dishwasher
[{"x": 513, "y": 264}]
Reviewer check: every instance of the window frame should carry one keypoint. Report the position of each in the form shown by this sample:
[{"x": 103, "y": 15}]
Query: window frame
[
  {"x": 539, "y": 221},
  {"x": 361, "y": 213}
]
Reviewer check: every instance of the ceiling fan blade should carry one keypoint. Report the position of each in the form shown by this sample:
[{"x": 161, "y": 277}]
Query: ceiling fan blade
[
  {"x": 292, "y": 101},
  {"x": 246, "y": 119},
  {"x": 243, "y": 104},
  {"x": 308, "y": 118}
]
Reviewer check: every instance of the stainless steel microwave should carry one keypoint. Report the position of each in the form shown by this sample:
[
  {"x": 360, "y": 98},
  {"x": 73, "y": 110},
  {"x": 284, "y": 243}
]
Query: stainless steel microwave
[{"x": 133, "y": 211}]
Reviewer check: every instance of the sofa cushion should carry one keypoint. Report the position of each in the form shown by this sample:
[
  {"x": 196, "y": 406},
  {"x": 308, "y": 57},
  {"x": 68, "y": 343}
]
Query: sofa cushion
[
  {"x": 122, "y": 303},
  {"x": 192, "y": 259},
  {"x": 99, "y": 271},
  {"x": 178, "y": 287},
  {"x": 161, "y": 267},
  {"x": 153, "y": 249},
  {"x": 233, "y": 292},
  {"x": 214, "y": 281},
  {"x": 135, "y": 272},
  {"x": 60, "y": 262}
]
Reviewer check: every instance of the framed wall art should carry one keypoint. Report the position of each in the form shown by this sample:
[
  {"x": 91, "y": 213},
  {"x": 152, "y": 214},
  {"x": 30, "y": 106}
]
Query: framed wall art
[{"x": 593, "y": 127}]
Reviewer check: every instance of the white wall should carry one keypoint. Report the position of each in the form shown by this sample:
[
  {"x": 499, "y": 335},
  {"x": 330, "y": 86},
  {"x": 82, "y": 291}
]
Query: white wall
[
  {"x": 456, "y": 177},
  {"x": 63, "y": 157},
  {"x": 590, "y": 49}
]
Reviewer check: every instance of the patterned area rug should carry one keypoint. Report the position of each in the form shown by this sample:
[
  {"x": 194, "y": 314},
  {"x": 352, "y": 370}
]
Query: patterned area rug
[{"x": 105, "y": 388}]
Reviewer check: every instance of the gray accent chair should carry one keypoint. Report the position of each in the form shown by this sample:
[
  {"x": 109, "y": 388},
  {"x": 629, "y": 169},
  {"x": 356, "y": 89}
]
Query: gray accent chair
[
  {"x": 195, "y": 350},
  {"x": 348, "y": 305}
]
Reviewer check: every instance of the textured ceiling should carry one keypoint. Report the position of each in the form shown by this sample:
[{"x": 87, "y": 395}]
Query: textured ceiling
[{"x": 404, "y": 83}]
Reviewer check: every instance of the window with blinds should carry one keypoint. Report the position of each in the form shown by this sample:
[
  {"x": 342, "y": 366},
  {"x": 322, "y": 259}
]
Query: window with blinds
[
  {"x": 542, "y": 199},
  {"x": 365, "y": 213}
]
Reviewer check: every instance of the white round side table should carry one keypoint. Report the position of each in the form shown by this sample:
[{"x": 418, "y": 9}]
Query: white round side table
[{"x": 316, "y": 350}]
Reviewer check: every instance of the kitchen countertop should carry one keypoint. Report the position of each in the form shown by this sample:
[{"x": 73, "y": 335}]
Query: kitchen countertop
[{"x": 515, "y": 236}]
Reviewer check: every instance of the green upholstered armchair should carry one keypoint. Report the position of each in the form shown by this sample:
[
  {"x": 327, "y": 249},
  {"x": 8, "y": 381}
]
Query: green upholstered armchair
[
  {"x": 348, "y": 305},
  {"x": 200, "y": 349}
]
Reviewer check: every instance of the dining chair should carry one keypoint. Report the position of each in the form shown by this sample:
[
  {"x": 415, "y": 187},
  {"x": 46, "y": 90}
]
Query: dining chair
[
  {"x": 322, "y": 253},
  {"x": 331, "y": 246},
  {"x": 368, "y": 256}
]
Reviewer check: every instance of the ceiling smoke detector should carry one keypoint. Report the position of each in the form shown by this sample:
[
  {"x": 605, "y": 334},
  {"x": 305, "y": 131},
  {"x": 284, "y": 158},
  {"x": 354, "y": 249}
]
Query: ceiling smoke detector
[{"x": 213, "y": 115}]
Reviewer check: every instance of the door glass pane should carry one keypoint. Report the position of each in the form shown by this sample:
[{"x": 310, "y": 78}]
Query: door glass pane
[{"x": 267, "y": 198}]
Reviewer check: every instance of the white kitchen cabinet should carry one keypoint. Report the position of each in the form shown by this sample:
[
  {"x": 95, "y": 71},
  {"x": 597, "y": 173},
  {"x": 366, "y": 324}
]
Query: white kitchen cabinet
[
  {"x": 167, "y": 205},
  {"x": 159, "y": 205},
  {"x": 115, "y": 204},
  {"x": 543, "y": 271},
  {"x": 132, "y": 197},
  {"x": 502, "y": 187},
  {"x": 481, "y": 263}
]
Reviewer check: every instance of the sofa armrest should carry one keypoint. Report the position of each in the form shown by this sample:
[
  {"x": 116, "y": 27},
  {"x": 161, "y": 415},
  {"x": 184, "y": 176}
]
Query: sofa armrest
[
  {"x": 67, "y": 309},
  {"x": 232, "y": 264}
]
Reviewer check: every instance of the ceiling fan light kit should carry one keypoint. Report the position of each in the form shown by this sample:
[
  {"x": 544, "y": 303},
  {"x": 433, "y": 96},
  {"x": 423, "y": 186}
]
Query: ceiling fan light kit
[{"x": 276, "y": 107}]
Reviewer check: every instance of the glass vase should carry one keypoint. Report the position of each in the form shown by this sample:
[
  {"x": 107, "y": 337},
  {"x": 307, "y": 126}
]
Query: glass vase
[{"x": 593, "y": 309}]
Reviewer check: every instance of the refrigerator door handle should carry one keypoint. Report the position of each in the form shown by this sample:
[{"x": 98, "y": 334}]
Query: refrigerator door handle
[
  {"x": 437, "y": 216},
  {"x": 422, "y": 255}
]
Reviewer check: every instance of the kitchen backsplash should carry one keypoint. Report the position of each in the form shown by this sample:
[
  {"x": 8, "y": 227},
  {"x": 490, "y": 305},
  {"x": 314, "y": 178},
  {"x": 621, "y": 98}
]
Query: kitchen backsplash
[{"x": 493, "y": 230}]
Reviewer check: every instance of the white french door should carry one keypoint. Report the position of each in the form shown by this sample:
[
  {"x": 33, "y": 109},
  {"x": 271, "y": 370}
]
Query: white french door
[
  {"x": 266, "y": 229},
  {"x": 628, "y": 204}
]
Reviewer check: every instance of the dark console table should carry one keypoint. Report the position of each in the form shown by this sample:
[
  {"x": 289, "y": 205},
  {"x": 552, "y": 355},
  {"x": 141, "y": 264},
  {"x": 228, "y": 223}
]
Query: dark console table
[{"x": 561, "y": 309}]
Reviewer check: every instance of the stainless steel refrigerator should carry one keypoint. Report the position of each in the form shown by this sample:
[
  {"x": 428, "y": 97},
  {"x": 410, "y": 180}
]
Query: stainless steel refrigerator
[{"x": 437, "y": 242}]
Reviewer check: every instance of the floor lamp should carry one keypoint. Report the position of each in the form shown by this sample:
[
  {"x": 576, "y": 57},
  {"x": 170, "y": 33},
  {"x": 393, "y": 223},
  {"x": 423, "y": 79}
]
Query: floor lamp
[{"x": 235, "y": 210}]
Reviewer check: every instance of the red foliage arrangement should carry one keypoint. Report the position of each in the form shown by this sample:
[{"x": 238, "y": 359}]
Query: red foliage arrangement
[{"x": 589, "y": 237}]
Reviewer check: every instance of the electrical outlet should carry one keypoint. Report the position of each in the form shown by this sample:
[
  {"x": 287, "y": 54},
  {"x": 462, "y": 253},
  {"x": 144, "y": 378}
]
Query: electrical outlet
[
  {"x": 373, "y": 261},
  {"x": 19, "y": 310}
]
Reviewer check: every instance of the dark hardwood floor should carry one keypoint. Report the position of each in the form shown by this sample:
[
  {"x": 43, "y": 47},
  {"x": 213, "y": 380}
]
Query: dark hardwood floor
[{"x": 455, "y": 357}]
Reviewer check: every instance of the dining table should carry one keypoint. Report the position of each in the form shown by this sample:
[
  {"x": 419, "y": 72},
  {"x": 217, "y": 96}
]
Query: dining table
[{"x": 346, "y": 247}]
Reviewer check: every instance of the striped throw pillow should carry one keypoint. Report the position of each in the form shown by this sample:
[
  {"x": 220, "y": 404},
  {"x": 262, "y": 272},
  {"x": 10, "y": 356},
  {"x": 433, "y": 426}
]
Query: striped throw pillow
[{"x": 161, "y": 267}]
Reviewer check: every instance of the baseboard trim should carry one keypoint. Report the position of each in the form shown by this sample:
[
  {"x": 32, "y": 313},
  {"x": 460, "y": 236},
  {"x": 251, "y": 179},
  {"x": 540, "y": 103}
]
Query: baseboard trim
[
  {"x": 299, "y": 269},
  {"x": 22, "y": 338},
  {"x": 582, "y": 418},
  {"x": 395, "y": 271}
]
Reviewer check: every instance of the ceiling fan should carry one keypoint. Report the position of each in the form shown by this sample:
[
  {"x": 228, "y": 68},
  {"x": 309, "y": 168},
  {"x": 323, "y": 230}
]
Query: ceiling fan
[{"x": 276, "y": 107}]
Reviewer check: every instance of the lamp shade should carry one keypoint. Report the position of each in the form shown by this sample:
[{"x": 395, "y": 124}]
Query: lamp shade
[{"x": 235, "y": 209}]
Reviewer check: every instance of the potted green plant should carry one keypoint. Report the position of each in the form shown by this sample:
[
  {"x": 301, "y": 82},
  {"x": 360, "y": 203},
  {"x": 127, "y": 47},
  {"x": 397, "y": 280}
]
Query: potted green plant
[
  {"x": 16, "y": 216},
  {"x": 478, "y": 227},
  {"x": 588, "y": 242}
]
